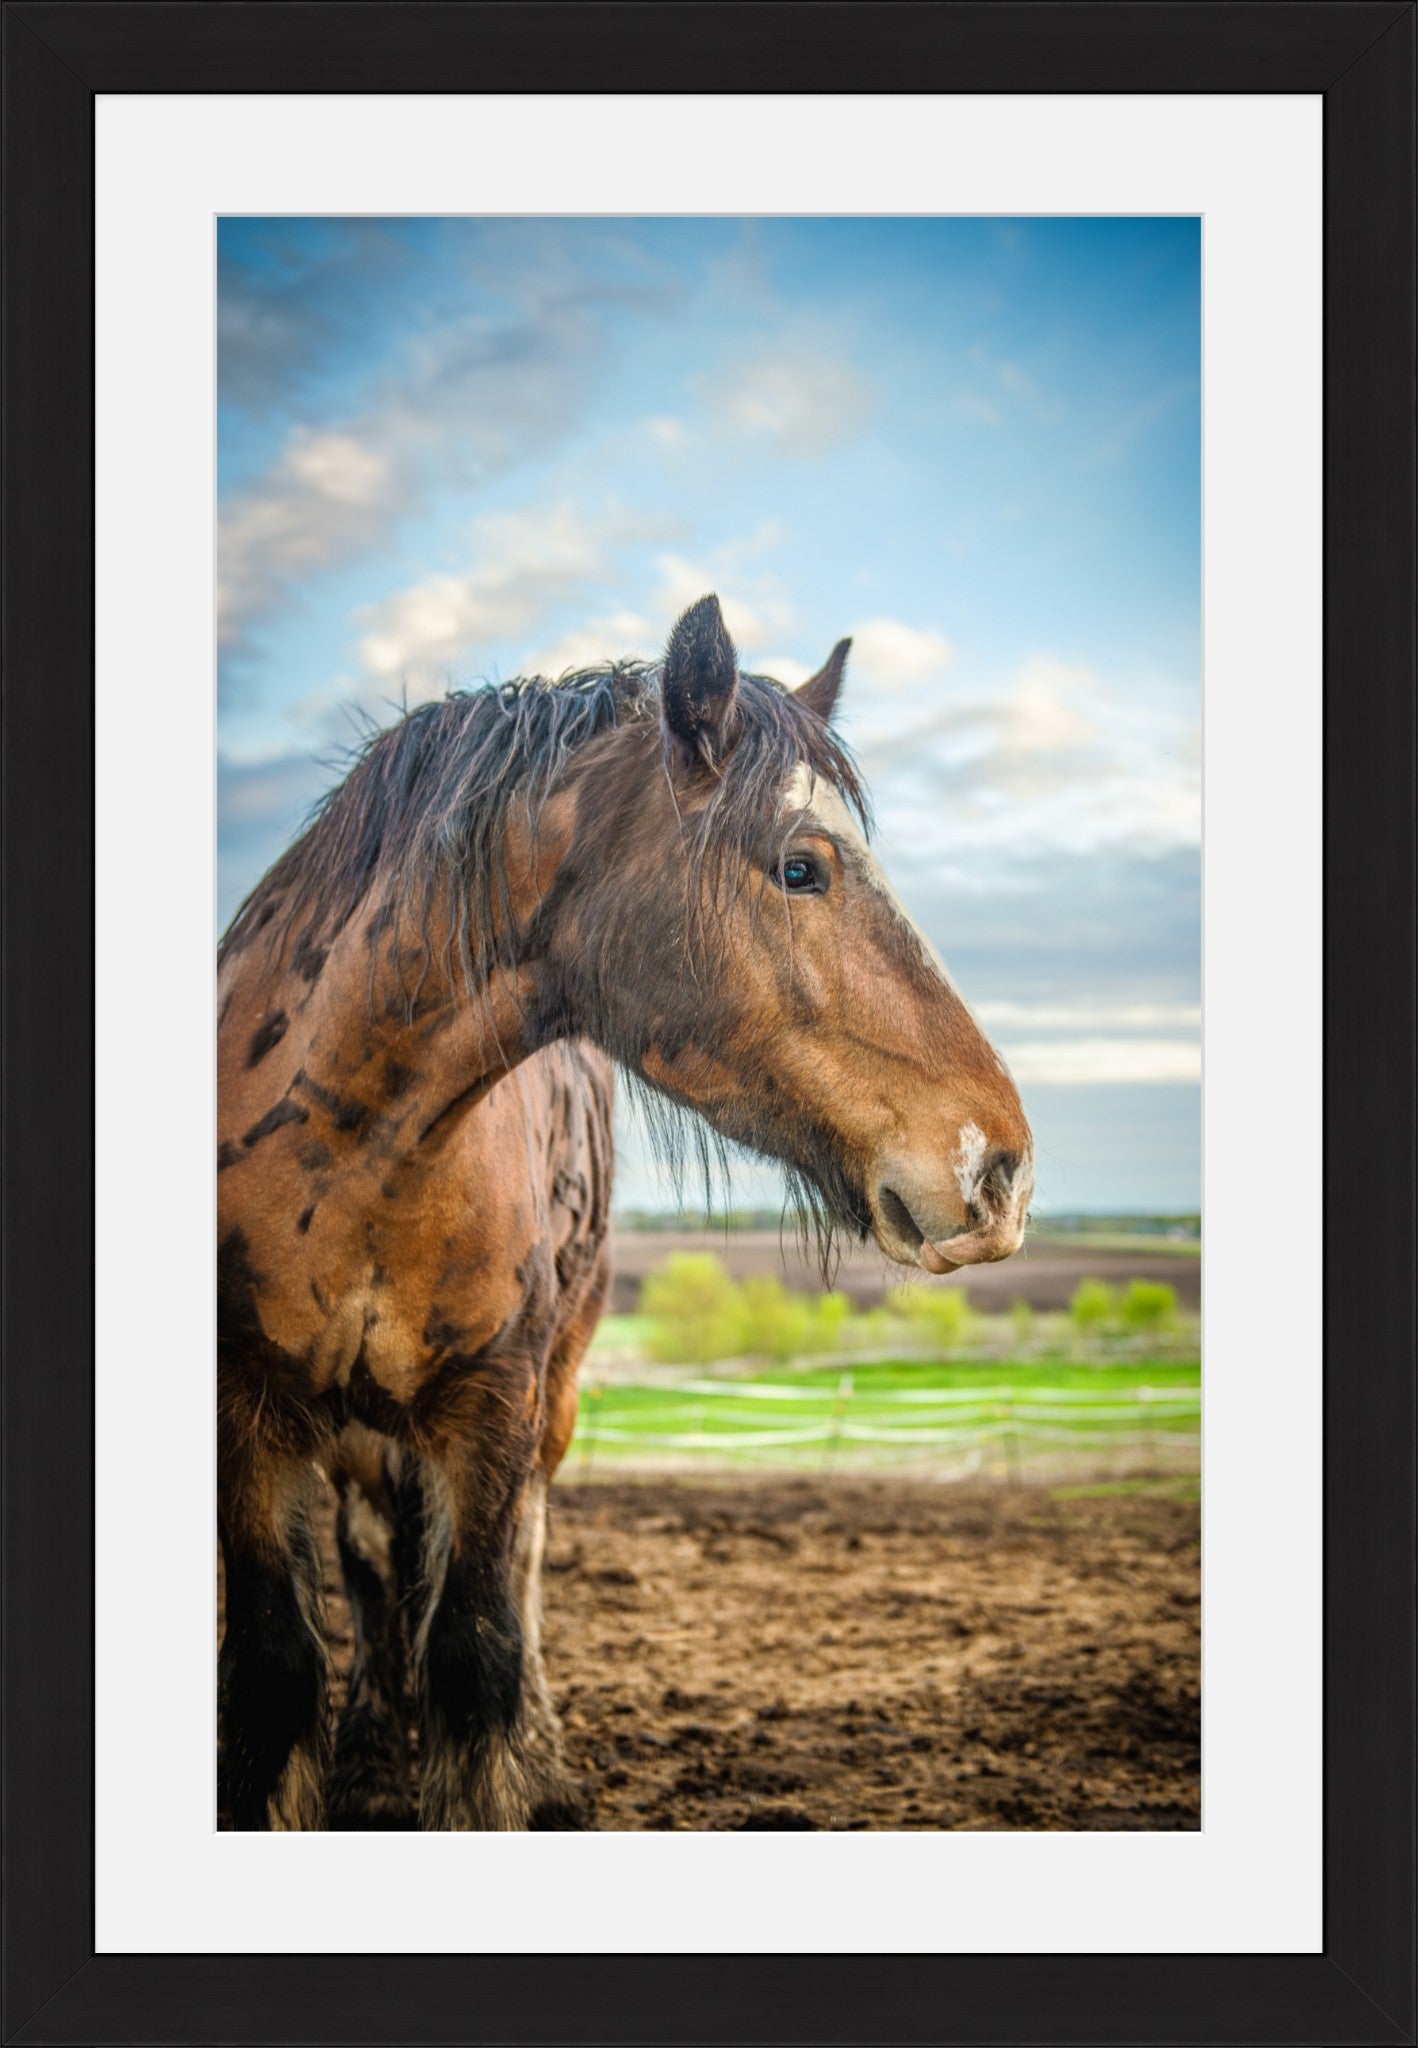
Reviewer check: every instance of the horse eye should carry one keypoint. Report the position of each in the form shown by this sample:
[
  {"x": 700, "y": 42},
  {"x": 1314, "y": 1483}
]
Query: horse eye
[{"x": 799, "y": 875}]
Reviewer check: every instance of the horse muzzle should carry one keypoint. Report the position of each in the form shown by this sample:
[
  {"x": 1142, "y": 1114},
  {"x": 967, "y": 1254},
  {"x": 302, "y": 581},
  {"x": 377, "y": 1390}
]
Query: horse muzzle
[
  {"x": 999, "y": 1239},
  {"x": 976, "y": 1223}
]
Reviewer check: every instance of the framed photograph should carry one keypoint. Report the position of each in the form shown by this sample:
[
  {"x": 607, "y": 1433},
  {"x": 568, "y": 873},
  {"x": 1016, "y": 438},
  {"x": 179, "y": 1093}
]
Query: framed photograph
[{"x": 708, "y": 886}]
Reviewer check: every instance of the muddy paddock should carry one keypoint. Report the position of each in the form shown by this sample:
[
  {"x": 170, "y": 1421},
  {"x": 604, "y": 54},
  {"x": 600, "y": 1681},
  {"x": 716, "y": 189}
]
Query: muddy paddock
[{"x": 872, "y": 1653}]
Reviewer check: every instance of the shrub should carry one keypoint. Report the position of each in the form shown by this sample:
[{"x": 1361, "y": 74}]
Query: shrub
[
  {"x": 1021, "y": 1321},
  {"x": 941, "y": 1315},
  {"x": 695, "y": 1311},
  {"x": 873, "y": 1329},
  {"x": 1149, "y": 1307},
  {"x": 1093, "y": 1307},
  {"x": 776, "y": 1324},
  {"x": 831, "y": 1316}
]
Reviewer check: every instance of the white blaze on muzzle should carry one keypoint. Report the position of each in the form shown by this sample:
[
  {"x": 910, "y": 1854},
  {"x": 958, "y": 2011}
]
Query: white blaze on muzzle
[{"x": 969, "y": 1161}]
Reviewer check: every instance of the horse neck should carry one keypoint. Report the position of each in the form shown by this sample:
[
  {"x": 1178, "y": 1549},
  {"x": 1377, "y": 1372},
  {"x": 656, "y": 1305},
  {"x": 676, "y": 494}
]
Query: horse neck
[{"x": 400, "y": 1032}]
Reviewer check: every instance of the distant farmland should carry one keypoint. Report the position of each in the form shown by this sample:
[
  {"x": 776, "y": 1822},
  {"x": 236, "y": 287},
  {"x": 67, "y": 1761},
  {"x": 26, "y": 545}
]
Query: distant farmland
[{"x": 1044, "y": 1274}]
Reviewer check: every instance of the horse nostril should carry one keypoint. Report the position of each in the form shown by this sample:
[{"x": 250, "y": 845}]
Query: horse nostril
[
  {"x": 900, "y": 1217},
  {"x": 997, "y": 1176}
]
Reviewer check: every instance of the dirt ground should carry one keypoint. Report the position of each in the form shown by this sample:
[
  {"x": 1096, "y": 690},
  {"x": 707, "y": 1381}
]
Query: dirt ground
[
  {"x": 872, "y": 1653},
  {"x": 1044, "y": 1274}
]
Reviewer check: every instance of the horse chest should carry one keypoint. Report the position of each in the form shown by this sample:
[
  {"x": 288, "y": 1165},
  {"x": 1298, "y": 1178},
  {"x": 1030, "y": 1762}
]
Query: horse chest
[
  {"x": 392, "y": 1332},
  {"x": 371, "y": 1296},
  {"x": 388, "y": 1264}
]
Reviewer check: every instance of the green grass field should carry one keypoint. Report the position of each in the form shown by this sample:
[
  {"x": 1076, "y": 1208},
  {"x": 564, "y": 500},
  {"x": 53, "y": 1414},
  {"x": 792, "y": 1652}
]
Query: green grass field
[
  {"x": 885, "y": 1411},
  {"x": 812, "y": 1380}
]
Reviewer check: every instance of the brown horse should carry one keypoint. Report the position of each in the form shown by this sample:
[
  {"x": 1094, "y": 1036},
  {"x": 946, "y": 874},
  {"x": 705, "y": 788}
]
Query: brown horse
[{"x": 661, "y": 868}]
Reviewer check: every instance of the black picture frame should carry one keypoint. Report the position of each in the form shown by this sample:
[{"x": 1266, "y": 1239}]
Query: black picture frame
[{"x": 1359, "y": 54}]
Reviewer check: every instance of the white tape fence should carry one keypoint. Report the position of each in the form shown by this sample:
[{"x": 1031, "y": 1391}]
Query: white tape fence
[{"x": 964, "y": 1427}]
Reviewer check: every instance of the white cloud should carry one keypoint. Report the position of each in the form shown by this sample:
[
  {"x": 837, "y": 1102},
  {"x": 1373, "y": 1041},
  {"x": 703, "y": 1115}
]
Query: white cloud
[
  {"x": 327, "y": 495},
  {"x": 885, "y": 653},
  {"x": 1095, "y": 1016},
  {"x": 337, "y": 468},
  {"x": 786, "y": 669},
  {"x": 1053, "y": 757},
  {"x": 1100, "y": 1041},
  {"x": 530, "y": 563},
  {"x": 1049, "y": 714},
  {"x": 667, "y": 432},
  {"x": 894, "y": 656},
  {"x": 1079, "y": 760},
  {"x": 523, "y": 563},
  {"x": 756, "y": 608},
  {"x": 1085, "y": 1062},
  {"x": 606, "y": 638},
  {"x": 468, "y": 400},
  {"x": 798, "y": 398}
]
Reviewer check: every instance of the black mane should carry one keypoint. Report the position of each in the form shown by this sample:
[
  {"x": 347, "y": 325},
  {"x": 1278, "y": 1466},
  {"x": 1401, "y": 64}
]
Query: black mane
[
  {"x": 424, "y": 810},
  {"x": 426, "y": 802}
]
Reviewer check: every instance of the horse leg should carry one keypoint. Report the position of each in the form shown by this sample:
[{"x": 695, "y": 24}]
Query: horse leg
[
  {"x": 560, "y": 1804},
  {"x": 371, "y": 1783},
  {"x": 272, "y": 1670},
  {"x": 488, "y": 1754},
  {"x": 556, "y": 1801}
]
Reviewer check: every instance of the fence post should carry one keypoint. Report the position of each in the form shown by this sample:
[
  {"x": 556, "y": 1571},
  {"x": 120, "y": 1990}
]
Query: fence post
[
  {"x": 1012, "y": 1463},
  {"x": 1145, "y": 1398},
  {"x": 590, "y": 1396},
  {"x": 839, "y": 1409}
]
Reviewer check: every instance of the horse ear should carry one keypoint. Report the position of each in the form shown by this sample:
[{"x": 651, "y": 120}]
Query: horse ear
[
  {"x": 820, "y": 692},
  {"x": 701, "y": 681}
]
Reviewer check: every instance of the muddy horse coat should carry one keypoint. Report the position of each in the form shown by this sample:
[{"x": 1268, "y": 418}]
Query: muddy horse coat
[{"x": 658, "y": 868}]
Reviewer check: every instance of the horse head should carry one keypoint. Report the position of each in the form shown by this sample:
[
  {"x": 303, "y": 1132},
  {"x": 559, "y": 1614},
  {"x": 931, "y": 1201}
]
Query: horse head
[{"x": 719, "y": 923}]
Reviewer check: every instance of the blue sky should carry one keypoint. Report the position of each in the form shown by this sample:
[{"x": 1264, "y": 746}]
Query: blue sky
[{"x": 452, "y": 450}]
